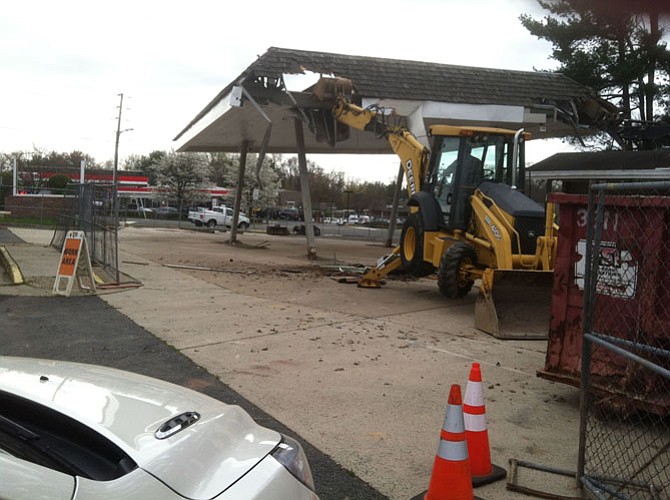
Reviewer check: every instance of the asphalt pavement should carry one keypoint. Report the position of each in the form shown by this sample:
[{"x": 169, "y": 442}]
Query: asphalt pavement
[{"x": 86, "y": 329}]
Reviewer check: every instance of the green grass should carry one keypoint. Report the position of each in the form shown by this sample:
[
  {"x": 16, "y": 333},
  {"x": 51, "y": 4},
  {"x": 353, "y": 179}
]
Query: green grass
[{"x": 28, "y": 221}]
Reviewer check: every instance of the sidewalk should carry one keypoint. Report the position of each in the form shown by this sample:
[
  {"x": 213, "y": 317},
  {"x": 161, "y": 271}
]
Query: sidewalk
[
  {"x": 363, "y": 375},
  {"x": 35, "y": 260}
]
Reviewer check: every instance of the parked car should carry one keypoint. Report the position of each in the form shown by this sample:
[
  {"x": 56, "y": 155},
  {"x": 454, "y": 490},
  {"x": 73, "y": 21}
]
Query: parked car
[
  {"x": 288, "y": 214},
  {"x": 218, "y": 216},
  {"x": 87, "y": 432},
  {"x": 166, "y": 210},
  {"x": 133, "y": 207},
  {"x": 300, "y": 229}
]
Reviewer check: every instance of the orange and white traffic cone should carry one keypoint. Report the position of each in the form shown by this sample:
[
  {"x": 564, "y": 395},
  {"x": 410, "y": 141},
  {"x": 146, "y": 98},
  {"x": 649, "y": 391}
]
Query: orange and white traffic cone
[
  {"x": 476, "y": 432},
  {"x": 451, "y": 479}
]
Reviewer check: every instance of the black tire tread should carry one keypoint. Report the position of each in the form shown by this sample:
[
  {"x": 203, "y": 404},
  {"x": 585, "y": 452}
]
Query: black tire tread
[
  {"x": 448, "y": 273},
  {"x": 415, "y": 266}
]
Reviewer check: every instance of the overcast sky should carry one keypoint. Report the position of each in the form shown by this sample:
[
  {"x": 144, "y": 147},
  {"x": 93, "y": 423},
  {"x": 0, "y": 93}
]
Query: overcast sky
[{"x": 64, "y": 63}]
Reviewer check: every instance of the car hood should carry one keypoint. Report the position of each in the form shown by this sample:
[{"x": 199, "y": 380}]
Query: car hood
[{"x": 198, "y": 462}]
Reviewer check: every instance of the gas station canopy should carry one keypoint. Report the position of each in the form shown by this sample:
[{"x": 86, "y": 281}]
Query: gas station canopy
[{"x": 259, "y": 107}]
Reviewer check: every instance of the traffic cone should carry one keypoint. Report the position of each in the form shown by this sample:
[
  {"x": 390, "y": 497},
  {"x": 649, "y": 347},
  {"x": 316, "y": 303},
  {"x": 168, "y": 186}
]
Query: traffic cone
[
  {"x": 476, "y": 432},
  {"x": 450, "y": 479}
]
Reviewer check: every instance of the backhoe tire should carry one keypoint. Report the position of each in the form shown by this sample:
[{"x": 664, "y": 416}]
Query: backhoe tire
[
  {"x": 411, "y": 247},
  {"x": 451, "y": 279}
]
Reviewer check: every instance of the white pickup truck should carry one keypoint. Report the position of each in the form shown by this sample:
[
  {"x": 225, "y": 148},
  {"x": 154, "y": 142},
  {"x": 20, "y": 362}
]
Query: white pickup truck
[{"x": 218, "y": 216}]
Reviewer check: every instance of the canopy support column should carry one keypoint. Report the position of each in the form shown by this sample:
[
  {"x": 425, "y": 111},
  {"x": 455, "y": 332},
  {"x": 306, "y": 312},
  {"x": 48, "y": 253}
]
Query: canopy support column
[
  {"x": 244, "y": 148},
  {"x": 304, "y": 188}
]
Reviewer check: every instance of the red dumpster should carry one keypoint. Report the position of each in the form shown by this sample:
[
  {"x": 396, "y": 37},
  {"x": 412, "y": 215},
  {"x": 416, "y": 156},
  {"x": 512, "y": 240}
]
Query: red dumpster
[{"x": 632, "y": 296}]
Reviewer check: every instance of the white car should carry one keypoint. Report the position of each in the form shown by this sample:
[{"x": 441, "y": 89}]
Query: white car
[{"x": 74, "y": 431}]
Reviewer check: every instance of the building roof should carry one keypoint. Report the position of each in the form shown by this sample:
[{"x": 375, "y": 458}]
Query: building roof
[
  {"x": 547, "y": 104},
  {"x": 604, "y": 165}
]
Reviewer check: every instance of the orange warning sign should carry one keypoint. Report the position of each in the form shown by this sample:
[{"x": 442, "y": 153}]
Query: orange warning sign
[
  {"x": 69, "y": 257},
  {"x": 74, "y": 247}
]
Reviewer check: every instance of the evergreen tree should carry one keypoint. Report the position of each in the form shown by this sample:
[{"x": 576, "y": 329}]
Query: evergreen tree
[{"x": 615, "y": 47}]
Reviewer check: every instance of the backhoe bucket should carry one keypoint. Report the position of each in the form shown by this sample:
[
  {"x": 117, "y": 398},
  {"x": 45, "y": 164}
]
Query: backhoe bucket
[
  {"x": 330, "y": 88},
  {"x": 514, "y": 304},
  {"x": 322, "y": 122}
]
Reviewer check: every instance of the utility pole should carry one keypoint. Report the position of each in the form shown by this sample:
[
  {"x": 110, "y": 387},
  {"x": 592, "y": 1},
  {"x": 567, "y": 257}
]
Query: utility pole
[
  {"x": 118, "y": 135},
  {"x": 115, "y": 194}
]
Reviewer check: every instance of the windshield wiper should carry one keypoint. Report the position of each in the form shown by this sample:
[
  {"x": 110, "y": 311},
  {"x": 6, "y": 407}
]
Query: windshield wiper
[
  {"x": 17, "y": 430},
  {"x": 32, "y": 439}
]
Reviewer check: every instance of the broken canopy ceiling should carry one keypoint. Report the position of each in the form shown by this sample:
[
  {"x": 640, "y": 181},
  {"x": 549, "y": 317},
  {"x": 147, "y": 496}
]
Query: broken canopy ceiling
[{"x": 276, "y": 88}]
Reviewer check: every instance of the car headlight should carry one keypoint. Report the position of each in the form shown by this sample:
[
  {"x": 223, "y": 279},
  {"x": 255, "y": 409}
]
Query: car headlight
[{"x": 290, "y": 454}]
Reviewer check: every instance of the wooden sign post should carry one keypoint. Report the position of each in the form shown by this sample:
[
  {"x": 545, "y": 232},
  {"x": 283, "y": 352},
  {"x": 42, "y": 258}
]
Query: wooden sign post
[{"x": 73, "y": 249}]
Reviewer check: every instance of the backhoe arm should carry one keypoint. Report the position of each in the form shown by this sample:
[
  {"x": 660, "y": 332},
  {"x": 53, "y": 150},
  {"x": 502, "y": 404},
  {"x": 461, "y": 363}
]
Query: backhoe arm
[{"x": 412, "y": 154}]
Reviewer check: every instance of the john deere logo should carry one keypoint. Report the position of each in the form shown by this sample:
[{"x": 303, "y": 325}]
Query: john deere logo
[
  {"x": 494, "y": 228},
  {"x": 410, "y": 177}
]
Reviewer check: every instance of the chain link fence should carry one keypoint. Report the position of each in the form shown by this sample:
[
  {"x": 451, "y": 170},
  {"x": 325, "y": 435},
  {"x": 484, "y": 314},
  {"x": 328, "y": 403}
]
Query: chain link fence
[
  {"x": 90, "y": 208},
  {"x": 624, "y": 444}
]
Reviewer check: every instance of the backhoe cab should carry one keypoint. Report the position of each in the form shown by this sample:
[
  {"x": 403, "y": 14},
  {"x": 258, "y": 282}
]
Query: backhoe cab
[{"x": 469, "y": 219}]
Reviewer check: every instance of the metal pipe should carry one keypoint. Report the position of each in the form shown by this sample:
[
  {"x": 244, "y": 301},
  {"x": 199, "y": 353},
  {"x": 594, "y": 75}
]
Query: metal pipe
[
  {"x": 640, "y": 347},
  {"x": 478, "y": 241},
  {"x": 515, "y": 155},
  {"x": 629, "y": 355},
  {"x": 584, "y": 381},
  {"x": 545, "y": 468},
  {"x": 513, "y": 486},
  {"x": 15, "y": 178},
  {"x": 595, "y": 486},
  {"x": 631, "y": 186}
]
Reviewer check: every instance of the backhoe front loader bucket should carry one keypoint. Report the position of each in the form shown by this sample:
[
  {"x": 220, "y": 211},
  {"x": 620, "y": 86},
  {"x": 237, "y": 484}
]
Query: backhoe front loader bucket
[{"x": 514, "y": 304}]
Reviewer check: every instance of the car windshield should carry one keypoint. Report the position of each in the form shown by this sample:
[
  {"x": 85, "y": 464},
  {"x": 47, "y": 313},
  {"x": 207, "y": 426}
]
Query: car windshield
[{"x": 40, "y": 435}]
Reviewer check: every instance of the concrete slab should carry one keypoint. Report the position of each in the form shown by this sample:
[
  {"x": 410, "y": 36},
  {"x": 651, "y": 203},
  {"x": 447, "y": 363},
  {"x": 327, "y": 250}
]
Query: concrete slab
[
  {"x": 38, "y": 265},
  {"x": 368, "y": 391},
  {"x": 203, "y": 314},
  {"x": 362, "y": 374}
]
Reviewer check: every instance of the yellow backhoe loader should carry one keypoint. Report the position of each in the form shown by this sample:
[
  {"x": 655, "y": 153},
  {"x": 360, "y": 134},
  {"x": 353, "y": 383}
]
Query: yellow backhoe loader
[{"x": 469, "y": 219}]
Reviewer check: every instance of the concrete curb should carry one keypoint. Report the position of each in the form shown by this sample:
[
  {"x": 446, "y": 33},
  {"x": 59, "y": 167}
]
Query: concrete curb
[{"x": 11, "y": 266}]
